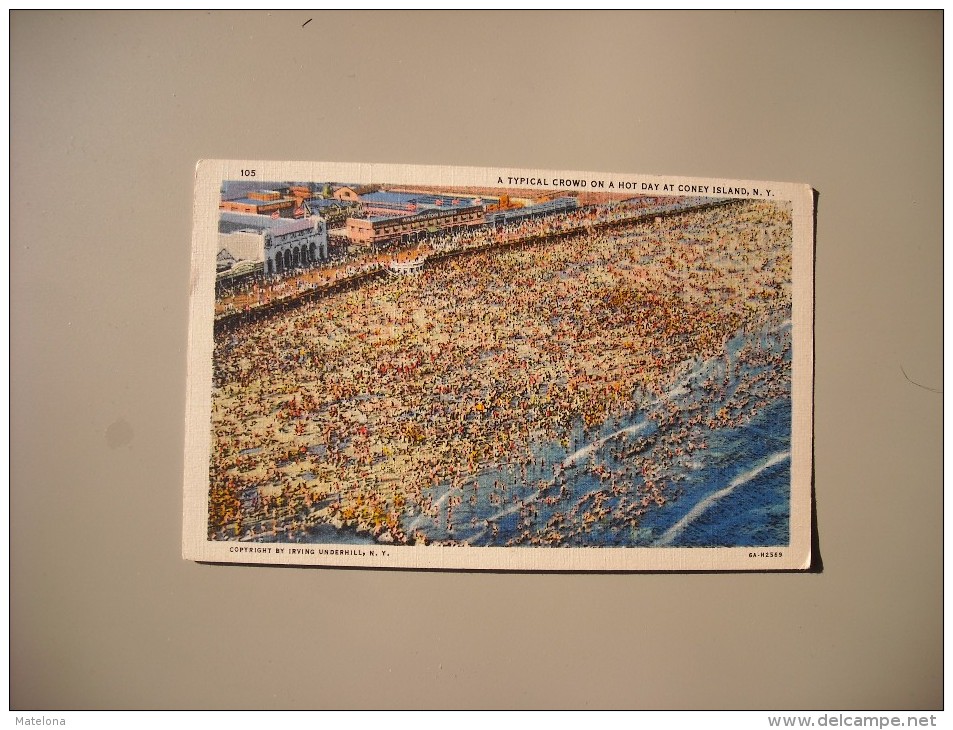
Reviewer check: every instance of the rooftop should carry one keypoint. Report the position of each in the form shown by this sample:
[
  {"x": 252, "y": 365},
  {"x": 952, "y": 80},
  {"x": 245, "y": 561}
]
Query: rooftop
[
  {"x": 253, "y": 201},
  {"x": 389, "y": 198},
  {"x": 236, "y": 222}
]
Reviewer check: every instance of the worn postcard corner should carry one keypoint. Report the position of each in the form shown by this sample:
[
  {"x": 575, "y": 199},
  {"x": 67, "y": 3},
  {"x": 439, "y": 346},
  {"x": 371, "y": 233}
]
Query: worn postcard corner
[{"x": 498, "y": 369}]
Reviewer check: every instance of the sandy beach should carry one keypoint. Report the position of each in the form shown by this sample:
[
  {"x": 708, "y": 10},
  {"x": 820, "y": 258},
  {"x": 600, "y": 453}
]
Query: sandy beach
[{"x": 349, "y": 410}]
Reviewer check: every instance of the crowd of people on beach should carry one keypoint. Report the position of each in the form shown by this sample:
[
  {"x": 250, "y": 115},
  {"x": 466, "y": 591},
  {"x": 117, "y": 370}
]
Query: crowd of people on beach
[
  {"x": 257, "y": 293},
  {"x": 351, "y": 410}
]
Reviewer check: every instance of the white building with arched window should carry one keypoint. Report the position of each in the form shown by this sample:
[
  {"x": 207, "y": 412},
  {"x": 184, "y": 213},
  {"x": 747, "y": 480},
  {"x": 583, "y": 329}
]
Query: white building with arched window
[{"x": 279, "y": 244}]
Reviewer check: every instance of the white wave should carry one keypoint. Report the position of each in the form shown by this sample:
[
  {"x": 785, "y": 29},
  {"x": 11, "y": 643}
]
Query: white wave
[
  {"x": 699, "y": 509},
  {"x": 416, "y": 523},
  {"x": 508, "y": 510},
  {"x": 595, "y": 445},
  {"x": 423, "y": 515}
]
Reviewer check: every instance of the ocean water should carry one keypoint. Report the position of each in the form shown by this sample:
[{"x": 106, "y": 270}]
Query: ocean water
[
  {"x": 647, "y": 480},
  {"x": 739, "y": 495},
  {"x": 704, "y": 464}
]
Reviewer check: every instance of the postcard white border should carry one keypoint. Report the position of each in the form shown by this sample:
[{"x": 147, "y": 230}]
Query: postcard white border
[{"x": 209, "y": 175}]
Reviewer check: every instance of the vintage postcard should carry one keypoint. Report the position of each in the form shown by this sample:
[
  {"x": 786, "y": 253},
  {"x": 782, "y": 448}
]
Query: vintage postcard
[{"x": 498, "y": 369}]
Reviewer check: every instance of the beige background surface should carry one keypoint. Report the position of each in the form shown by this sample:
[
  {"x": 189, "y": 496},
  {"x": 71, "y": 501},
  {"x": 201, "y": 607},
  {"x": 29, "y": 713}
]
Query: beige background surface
[{"x": 110, "y": 112}]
